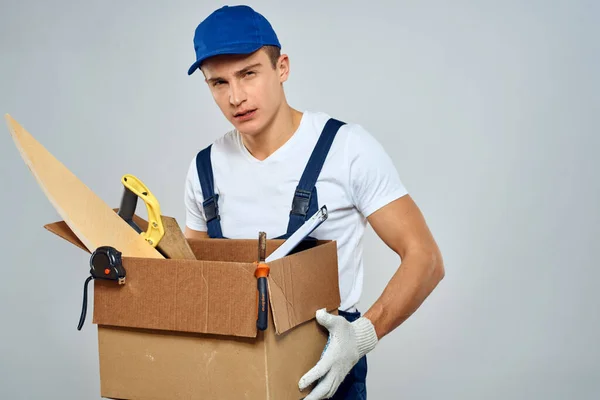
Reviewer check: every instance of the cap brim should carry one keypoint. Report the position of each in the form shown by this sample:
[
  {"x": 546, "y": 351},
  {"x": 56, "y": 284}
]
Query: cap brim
[
  {"x": 194, "y": 67},
  {"x": 242, "y": 48}
]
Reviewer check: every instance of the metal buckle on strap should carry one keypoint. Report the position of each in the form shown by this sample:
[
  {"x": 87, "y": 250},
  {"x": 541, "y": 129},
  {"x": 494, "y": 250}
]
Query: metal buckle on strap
[{"x": 211, "y": 207}]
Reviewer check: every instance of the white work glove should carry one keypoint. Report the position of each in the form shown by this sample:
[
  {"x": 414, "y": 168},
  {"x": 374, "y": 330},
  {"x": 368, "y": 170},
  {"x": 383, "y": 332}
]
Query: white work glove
[{"x": 347, "y": 343}]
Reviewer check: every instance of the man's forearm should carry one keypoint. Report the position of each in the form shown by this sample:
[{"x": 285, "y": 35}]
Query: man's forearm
[{"x": 411, "y": 284}]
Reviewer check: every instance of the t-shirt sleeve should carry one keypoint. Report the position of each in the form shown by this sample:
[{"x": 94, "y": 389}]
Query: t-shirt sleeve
[
  {"x": 194, "y": 213},
  {"x": 374, "y": 179}
]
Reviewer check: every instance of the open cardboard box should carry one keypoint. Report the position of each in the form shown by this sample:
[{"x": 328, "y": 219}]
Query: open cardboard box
[{"x": 186, "y": 329}]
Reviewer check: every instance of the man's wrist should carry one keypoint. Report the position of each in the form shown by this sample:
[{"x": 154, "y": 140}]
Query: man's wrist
[
  {"x": 366, "y": 336},
  {"x": 375, "y": 315}
]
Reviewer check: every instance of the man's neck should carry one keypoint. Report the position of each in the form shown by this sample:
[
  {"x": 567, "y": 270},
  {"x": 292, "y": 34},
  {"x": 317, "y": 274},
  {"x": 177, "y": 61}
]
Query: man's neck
[{"x": 282, "y": 127}]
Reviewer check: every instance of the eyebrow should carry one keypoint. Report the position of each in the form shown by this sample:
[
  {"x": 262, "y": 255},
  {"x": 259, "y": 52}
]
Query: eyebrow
[{"x": 238, "y": 73}]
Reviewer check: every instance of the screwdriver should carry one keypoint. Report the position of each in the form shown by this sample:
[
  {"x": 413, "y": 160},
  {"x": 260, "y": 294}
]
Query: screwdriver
[{"x": 261, "y": 273}]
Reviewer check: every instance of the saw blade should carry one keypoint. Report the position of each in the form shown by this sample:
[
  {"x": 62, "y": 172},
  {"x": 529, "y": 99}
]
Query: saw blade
[{"x": 87, "y": 215}]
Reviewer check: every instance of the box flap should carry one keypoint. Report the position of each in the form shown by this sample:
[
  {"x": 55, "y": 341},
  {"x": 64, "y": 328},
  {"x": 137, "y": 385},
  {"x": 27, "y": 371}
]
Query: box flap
[
  {"x": 302, "y": 283},
  {"x": 180, "y": 295},
  {"x": 61, "y": 229}
]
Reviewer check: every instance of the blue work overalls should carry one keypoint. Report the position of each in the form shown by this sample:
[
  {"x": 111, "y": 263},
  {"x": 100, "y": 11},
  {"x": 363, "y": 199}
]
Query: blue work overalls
[{"x": 304, "y": 205}]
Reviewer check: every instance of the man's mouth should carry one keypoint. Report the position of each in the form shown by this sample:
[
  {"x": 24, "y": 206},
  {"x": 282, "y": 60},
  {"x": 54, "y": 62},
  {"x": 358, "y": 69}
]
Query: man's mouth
[{"x": 243, "y": 114}]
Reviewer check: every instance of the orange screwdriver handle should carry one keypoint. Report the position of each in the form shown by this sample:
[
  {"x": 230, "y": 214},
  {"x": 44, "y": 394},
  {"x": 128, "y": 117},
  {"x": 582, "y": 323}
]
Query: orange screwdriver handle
[{"x": 261, "y": 273}]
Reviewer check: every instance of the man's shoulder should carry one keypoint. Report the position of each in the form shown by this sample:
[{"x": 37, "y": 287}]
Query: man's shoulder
[
  {"x": 222, "y": 145},
  {"x": 227, "y": 142},
  {"x": 227, "y": 139},
  {"x": 318, "y": 119},
  {"x": 353, "y": 134}
]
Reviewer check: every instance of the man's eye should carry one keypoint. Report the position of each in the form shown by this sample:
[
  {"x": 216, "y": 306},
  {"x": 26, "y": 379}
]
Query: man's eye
[{"x": 249, "y": 73}]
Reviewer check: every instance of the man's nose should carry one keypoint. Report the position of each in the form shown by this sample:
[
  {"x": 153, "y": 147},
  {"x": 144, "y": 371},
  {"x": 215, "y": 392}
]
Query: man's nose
[{"x": 237, "y": 95}]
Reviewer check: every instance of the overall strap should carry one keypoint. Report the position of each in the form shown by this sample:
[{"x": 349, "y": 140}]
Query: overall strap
[
  {"x": 211, "y": 200},
  {"x": 305, "y": 202}
]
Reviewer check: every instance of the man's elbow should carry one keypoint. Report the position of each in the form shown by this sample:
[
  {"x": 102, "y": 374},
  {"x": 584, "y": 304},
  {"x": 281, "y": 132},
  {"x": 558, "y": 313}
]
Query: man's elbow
[
  {"x": 438, "y": 271},
  {"x": 432, "y": 262}
]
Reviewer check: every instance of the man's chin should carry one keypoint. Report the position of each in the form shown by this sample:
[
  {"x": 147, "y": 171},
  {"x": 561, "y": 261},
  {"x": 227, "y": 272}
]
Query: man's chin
[{"x": 249, "y": 128}]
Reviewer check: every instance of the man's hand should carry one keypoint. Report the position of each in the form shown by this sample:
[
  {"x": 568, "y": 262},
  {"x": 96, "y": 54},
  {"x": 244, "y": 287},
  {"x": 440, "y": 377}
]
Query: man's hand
[{"x": 347, "y": 343}]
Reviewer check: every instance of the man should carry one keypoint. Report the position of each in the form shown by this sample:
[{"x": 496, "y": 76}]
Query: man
[{"x": 246, "y": 180}]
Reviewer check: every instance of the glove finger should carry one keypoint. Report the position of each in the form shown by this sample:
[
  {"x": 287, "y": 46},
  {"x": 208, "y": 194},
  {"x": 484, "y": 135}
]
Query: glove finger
[
  {"x": 325, "y": 319},
  {"x": 322, "y": 389},
  {"x": 316, "y": 372},
  {"x": 333, "y": 387}
]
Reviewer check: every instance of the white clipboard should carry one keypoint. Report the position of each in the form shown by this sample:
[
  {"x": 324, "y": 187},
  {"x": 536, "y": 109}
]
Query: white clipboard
[{"x": 301, "y": 233}]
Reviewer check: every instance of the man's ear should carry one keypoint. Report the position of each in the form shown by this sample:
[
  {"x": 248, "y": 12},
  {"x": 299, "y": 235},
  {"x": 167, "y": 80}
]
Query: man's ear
[{"x": 283, "y": 67}]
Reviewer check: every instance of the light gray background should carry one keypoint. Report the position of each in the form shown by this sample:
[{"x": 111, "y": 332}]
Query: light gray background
[{"x": 489, "y": 110}]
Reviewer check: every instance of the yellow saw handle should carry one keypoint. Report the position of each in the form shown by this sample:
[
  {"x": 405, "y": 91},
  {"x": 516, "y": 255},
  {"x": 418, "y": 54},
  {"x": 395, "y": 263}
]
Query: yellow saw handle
[{"x": 134, "y": 189}]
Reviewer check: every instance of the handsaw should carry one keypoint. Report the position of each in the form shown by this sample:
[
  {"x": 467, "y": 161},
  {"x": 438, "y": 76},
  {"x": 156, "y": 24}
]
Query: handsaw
[
  {"x": 86, "y": 214},
  {"x": 161, "y": 232}
]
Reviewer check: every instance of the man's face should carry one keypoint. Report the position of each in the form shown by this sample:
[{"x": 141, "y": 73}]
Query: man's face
[{"x": 247, "y": 88}]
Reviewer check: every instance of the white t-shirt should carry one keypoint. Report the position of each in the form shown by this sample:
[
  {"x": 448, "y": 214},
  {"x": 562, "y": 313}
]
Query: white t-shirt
[{"x": 358, "y": 178}]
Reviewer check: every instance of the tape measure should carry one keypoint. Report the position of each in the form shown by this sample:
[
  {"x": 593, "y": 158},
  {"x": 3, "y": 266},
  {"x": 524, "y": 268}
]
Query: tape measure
[{"x": 105, "y": 263}]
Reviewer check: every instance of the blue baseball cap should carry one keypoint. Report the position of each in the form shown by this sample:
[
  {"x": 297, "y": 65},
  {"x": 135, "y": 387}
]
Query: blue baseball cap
[{"x": 232, "y": 30}]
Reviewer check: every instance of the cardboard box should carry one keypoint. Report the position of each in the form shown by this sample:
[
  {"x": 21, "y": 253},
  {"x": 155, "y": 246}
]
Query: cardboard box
[{"x": 186, "y": 329}]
